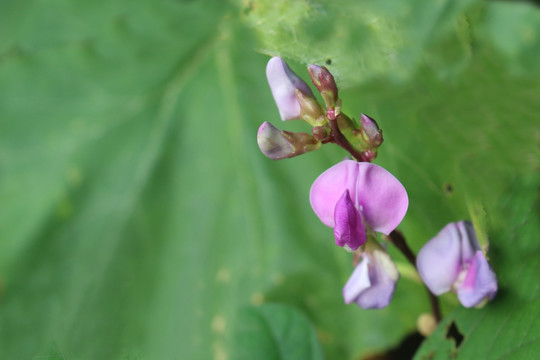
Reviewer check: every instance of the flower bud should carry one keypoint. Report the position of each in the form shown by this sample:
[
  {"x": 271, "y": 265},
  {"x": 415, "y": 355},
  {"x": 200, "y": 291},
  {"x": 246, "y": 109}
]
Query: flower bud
[
  {"x": 325, "y": 83},
  {"x": 371, "y": 131},
  {"x": 310, "y": 110},
  {"x": 320, "y": 133},
  {"x": 278, "y": 144},
  {"x": 284, "y": 84}
]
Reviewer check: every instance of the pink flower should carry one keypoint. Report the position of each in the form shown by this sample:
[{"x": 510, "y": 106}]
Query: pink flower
[
  {"x": 354, "y": 197},
  {"x": 373, "y": 281},
  {"x": 454, "y": 261},
  {"x": 284, "y": 84}
]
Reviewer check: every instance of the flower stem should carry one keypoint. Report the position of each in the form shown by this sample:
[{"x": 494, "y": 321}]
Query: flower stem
[
  {"x": 340, "y": 140},
  {"x": 399, "y": 242}
]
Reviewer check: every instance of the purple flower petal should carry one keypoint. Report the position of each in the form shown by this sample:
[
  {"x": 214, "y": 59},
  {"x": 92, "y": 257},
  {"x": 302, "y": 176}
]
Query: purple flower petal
[
  {"x": 376, "y": 193},
  {"x": 358, "y": 282},
  {"x": 349, "y": 229},
  {"x": 480, "y": 282},
  {"x": 283, "y": 83},
  {"x": 373, "y": 282},
  {"x": 439, "y": 261},
  {"x": 328, "y": 189}
]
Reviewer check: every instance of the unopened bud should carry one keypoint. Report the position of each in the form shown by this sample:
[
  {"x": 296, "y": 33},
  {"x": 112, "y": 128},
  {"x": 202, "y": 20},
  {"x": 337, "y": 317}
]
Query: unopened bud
[
  {"x": 372, "y": 133},
  {"x": 426, "y": 324},
  {"x": 357, "y": 137},
  {"x": 325, "y": 83},
  {"x": 278, "y": 144},
  {"x": 320, "y": 133},
  {"x": 283, "y": 84},
  {"x": 310, "y": 110},
  {"x": 347, "y": 127}
]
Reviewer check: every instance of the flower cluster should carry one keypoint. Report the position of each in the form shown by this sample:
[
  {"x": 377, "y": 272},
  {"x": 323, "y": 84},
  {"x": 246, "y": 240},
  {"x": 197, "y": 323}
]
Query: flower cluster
[
  {"x": 359, "y": 199},
  {"x": 295, "y": 100}
]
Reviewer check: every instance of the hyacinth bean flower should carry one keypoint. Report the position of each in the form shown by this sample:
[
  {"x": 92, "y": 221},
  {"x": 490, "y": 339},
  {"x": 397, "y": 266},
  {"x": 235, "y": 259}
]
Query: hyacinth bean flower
[
  {"x": 373, "y": 281},
  {"x": 357, "y": 197},
  {"x": 288, "y": 90},
  {"x": 454, "y": 261},
  {"x": 278, "y": 144}
]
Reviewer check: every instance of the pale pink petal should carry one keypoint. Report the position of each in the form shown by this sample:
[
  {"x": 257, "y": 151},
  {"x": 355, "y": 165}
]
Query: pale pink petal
[
  {"x": 329, "y": 187},
  {"x": 439, "y": 261},
  {"x": 272, "y": 142},
  {"x": 373, "y": 282},
  {"x": 358, "y": 282},
  {"x": 381, "y": 197},
  {"x": 283, "y": 83}
]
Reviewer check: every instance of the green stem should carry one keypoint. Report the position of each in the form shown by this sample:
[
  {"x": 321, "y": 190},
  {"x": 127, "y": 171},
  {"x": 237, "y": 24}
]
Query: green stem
[
  {"x": 399, "y": 242},
  {"x": 340, "y": 140}
]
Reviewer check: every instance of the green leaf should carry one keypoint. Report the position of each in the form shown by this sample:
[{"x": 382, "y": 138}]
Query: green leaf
[
  {"x": 275, "y": 331},
  {"x": 513, "y": 29}
]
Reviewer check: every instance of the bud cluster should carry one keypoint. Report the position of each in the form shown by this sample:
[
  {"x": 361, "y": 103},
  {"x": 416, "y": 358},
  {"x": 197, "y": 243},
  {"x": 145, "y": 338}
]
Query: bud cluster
[{"x": 295, "y": 100}]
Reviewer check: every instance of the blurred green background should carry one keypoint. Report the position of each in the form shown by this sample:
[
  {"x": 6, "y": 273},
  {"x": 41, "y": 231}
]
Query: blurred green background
[{"x": 139, "y": 220}]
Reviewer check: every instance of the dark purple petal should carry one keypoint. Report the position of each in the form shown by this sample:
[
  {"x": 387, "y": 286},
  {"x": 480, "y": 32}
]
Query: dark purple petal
[
  {"x": 480, "y": 282},
  {"x": 349, "y": 229},
  {"x": 439, "y": 261}
]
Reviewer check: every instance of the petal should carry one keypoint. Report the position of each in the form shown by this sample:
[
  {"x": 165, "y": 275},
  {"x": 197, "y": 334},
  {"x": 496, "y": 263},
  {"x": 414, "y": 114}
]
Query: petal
[
  {"x": 373, "y": 282},
  {"x": 358, "y": 282},
  {"x": 329, "y": 187},
  {"x": 349, "y": 229},
  {"x": 469, "y": 242},
  {"x": 439, "y": 261},
  {"x": 480, "y": 282},
  {"x": 272, "y": 142},
  {"x": 379, "y": 196},
  {"x": 283, "y": 83},
  {"x": 383, "y": 199}
]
